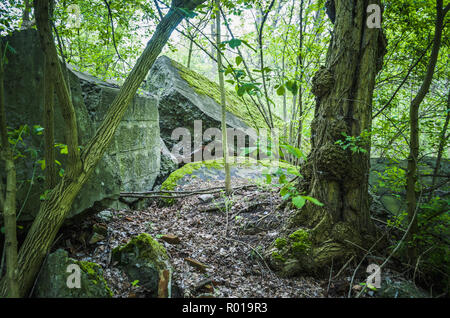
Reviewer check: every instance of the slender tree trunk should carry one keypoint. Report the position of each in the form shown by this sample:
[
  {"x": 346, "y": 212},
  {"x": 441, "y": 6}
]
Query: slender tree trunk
[
  {"x": 336, "y": 177},
  {"x": 213, "y": 49},
  {"x": 49, "y": 149},
  {"x": 223, "y": 103},
  {"x": 411, "y": 195},
  {"x": 191, "y": 43},
  {"x": 9, "y": 200},
  {"x": 442, "y": 142},
  {"x": 54, "y": 209},
  {"x": 26, "y": 23}
]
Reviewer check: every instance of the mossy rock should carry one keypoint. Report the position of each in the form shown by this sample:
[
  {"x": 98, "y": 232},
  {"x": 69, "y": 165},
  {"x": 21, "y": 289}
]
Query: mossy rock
[
  {"x": 242, "y": 107},
  {"x": 186, "y": 97},
  {"x": 143, "y": 259},
  {"x": 241, "y": 167},
  {"x": 292, "y": 254},
  {"x": 53, "y": 278}
]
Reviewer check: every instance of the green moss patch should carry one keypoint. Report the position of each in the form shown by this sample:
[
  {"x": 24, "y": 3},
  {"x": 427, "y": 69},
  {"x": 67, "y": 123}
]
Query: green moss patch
[
  {"x": 172, "y": 181},
  {"x": 297, "y": 244},
  {"x": 244, "y": 108},
  {"x": 95, "y": 274},
  {"x": 142, "y": 246}
]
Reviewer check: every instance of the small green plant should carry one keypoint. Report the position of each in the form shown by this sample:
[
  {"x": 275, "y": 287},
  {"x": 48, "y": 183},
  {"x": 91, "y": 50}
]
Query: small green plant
[
  {"x": 357, "y": 144},
  {"x": 288, "y": 190},
  {"x": 135, "y": 283},
  {"x": 369, "y": 286}
]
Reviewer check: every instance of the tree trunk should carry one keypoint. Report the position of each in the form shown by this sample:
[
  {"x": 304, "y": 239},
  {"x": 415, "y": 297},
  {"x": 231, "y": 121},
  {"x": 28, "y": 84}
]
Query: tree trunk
[
  {"x": 55, "y": 208},
  {"x": 223, "y": 103},
  {"x": 336, "y": 177},
  {"x": 49, "y": 127},
  {"x": 442, "y": 142},
  {"x": 9, "y": 200},
  {"x": 411, "y": 195}
]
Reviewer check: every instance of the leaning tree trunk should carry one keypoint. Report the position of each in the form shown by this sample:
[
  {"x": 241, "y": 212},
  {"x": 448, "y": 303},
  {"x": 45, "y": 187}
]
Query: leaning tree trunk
[
  {"x": 55, "y": 208},
  {"x": 335, "y": 176}
]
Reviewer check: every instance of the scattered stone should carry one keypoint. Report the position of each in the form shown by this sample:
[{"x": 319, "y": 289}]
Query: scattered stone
[
  {"x": 54, "y": 276},
  {"x": 206, "y": 198},
  {"x": 215, "y": 207},
  {"x": 95, "y": 238},
  {"x": 357, "y": 288},
  {"x": 105, "y": 215},
  {"x": 171, "y": 239},
  {"x": 145, "y": 260},
  {"x": 198, "y": 265},
  {"x": 100, "y": 229}
]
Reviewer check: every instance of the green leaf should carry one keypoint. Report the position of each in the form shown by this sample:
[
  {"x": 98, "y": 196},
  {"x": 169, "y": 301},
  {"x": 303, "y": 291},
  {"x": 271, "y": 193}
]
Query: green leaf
[
  {"x": 281, "y": 91},
  {"x": 313, "y": 200},
  {"x": 234, "y": 43},
  {"x": 42, "y": 163},
  {"x": 293, "y": 151},
  {"x": 241, "y": 91},
  {"x": 64, "y": 150},
  {"x": 238, "y": 60},
  {"x": 299, "y": 201},
  {"x": 248, "y": 45},
  {"x": 38, "y": 129}
]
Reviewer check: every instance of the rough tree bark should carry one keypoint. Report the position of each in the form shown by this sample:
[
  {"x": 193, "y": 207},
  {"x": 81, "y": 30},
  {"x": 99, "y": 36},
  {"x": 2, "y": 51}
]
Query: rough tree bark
[
  {"x": 336, "y": 177},
  {"x": 8, "y": 199},
  {"x": 55, "y": 208}
]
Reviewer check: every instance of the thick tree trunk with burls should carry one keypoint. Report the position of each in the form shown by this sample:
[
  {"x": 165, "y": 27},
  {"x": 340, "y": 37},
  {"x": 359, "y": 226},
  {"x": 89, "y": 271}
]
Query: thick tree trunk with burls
[
  {"x": 336, "y": 177},
  {"x": 55, "y": 208}
]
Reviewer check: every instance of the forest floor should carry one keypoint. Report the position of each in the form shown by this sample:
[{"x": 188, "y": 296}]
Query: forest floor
[{"x": 226, "y": 239}]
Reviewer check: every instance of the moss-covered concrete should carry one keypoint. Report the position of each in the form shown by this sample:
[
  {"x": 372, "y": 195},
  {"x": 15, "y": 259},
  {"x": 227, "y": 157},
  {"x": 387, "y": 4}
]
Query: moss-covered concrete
[
  {"x": 131, "y": 163},
  {"x": 94, "y": 272},
  {"x": 242, "y": 107},
  {"x": 172, "y": 181},
  {"x": 53, "y": 278}
]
